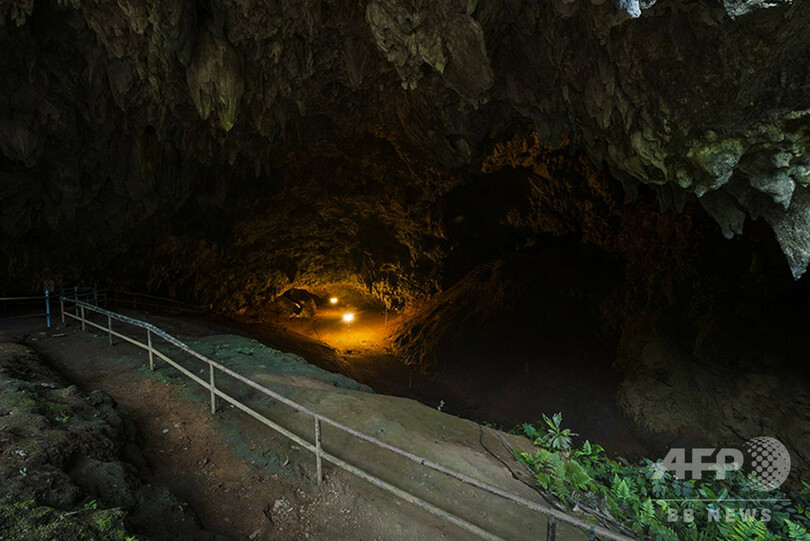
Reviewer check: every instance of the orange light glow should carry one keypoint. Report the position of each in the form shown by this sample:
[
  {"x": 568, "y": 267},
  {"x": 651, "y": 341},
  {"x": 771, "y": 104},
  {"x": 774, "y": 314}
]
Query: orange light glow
[
  {"x": 348, "y": 317},
  {"x": 333, "y": 300}
]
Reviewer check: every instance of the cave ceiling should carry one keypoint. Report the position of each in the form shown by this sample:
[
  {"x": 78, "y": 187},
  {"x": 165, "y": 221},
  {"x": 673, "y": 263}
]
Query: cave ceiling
[{"x": 339, "y": 126}]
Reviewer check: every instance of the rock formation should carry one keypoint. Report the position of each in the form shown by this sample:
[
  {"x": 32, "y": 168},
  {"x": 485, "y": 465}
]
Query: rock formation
[{"x": 115, "y": 115}]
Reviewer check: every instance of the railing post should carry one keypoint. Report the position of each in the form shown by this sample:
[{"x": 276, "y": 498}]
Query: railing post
[
  {"x": 592, "y": 534},
  {"x": 109, "y": 327},
  {"x": 76, "y": 300},
  {"x": 149, "y": 344},
  {"x": 95, "y": 295},
  {"x": 551, "y": 530},
  {"x": 62, "y": 308},
  {"x": 318, "y": 459},
  {"x": 84, "y": 326},
  {"x": 48, "y": 308},
  {"x": 213, "y": 390}
]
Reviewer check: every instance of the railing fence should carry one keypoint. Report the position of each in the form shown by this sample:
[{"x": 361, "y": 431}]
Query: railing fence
[
  {"x": 81, "y": 309},
  {"x": 43, "y": 300},
  {"x": 96, "y": 296}
]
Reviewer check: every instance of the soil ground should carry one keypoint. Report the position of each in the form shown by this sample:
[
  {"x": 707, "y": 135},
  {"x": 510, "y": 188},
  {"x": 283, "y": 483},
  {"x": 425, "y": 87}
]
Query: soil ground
[
  {"x": 247, "y": 482},
  {"x": 71, "y": 467}
]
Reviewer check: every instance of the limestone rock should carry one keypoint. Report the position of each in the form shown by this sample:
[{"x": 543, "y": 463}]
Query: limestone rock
[
  {"x": 215, "y": 78},
  {"x": 690, "y": 99},
  {"x": 442, "y": 36}
]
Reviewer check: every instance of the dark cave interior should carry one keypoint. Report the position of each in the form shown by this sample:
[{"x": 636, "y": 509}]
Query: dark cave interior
[{"x": 599, "y": 225}]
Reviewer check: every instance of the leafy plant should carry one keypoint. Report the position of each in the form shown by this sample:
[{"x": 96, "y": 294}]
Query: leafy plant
[
  {"x": 556, "y": 436},
  {"x": 796, "y": 531},
  {"x": 649, "y": 500}
]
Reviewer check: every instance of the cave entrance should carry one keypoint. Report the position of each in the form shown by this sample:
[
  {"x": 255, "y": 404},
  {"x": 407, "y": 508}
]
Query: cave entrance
[
  {"x": 558, "y": 294},
  {"x": 519, "y": 336}
]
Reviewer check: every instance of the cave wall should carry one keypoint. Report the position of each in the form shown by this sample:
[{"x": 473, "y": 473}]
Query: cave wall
[
  {"x": 121, "y": 123},
  {"x": 579, "y": 299},
  {"x": 226, "y": 151}
]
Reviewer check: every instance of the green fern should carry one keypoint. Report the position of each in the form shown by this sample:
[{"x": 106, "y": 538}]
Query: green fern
[
  {"x": 576, "y": 476},
  {"x": 749, "y": 529},
  {"x": 645, "y": 499},
  {"x": 620, "y": 490},
  {"x": 796, "y": 532},
  {"x": 646, "y": 513}
]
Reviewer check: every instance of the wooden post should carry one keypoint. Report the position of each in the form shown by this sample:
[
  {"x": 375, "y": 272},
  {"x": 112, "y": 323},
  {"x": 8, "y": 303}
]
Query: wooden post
[
  {"x": 318, "y": 458},
  {"x": 213, "y": 390},
  {"x": 149, "y": 345},
  {"x": 109, "y": 328},
  {"x": 551, "y": 532},
  {"x": 62, "y": 308},
  {"x": 76, "y": 300},
  {"x": 84, "y": 326}
]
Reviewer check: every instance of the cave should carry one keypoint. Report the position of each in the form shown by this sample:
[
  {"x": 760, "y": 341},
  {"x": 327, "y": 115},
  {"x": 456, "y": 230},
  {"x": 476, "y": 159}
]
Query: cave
[{"x": 498, "y": 210}]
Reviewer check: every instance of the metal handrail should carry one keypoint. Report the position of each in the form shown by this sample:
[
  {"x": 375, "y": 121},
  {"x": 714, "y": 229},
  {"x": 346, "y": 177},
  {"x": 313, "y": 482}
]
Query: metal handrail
[
  {"x": 316, "y": 447},
  {"x": 30, "y": 300},
  {"x": 157, "y": 302},
  {"x": 98, "y": 296},
  {"x": 78, "y": 292}
]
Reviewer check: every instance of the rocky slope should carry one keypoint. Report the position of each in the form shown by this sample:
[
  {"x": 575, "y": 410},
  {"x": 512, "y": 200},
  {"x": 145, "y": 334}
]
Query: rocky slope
[{"x": 66, "y": 464}]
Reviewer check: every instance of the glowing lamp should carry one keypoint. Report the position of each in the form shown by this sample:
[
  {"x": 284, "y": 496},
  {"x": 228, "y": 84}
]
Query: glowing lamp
[
  {"x": 333, "y": 300},
  {"x": 348, "y": 317}
]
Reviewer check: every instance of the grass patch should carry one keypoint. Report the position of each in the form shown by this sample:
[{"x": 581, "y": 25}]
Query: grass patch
[{"x": 155, "y": 374}]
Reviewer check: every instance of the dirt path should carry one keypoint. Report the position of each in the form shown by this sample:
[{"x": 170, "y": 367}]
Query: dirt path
[
  {"x": 249, "y": 483},
  {"x": 195, "y": 455}
]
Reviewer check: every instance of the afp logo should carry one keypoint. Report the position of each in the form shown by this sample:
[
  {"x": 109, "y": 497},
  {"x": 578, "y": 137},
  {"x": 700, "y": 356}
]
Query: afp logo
[
  {"x": 769, "y": 462},
  {"x": 766, "y": 461}
]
